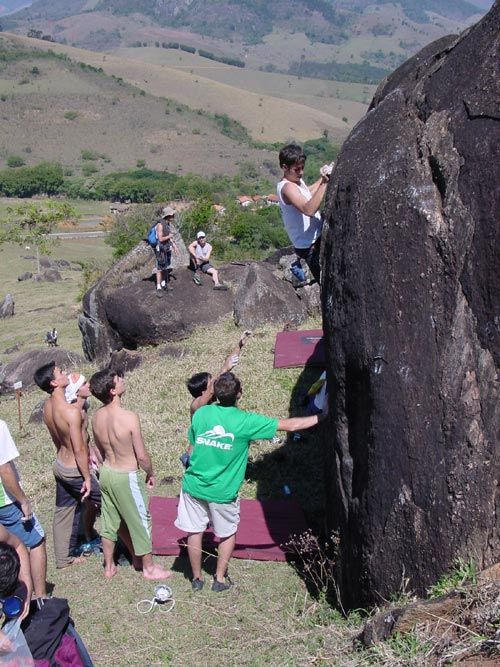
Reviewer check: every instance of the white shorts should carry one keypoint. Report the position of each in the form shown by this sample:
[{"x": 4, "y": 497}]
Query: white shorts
[{"x": 193, "y": 515}]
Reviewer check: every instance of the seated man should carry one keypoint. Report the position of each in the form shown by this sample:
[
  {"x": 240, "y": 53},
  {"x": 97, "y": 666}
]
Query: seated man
[
  {"x": 221, "y": 434},
  {"x": 200, "y": 252},
  {"x": 117, "y": 434},
  {"x": 16, "y": 514},
  {"x": 15, "y": 579}
]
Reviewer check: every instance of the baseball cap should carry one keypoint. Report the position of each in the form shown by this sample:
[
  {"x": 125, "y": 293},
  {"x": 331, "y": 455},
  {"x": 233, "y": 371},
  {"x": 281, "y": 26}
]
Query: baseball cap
[
  {"x": 76, "y": 380},
  {"x": 167, "y": 212},
  {"x": 200, "y": 235}
]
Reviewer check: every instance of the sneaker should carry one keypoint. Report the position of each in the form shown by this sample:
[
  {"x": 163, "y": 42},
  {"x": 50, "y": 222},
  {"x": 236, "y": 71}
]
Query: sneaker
[
  {"x": 167, "y": 288},
  {"x": 219, "y": 586},
  {"x": 197, "y": 279},
  {"x": 220, "y": 286},
  {"x": 159, "y": 293},
  {"x": 197, "y": 584}
]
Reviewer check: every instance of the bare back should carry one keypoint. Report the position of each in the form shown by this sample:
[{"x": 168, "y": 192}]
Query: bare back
[
  {"x": 117, "y": 435},
  {"x": 64, "y": 423}
]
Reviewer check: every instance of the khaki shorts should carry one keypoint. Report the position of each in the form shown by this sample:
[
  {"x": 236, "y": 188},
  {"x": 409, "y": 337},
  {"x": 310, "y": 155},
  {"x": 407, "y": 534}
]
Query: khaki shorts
[{"x": 193, "y": 515}]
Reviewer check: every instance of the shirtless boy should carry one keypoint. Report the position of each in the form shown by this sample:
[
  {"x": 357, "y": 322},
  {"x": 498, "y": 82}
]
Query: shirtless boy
[
  {"x": 117, "y": 434},
  {"x": 74, "y": 483}
]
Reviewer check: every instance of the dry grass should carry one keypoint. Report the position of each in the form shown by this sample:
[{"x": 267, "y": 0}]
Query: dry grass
[
  {"x": 270, "y": 617},
  {"x": 116, "y": 122},
  {"x": 267, "y": 118}
]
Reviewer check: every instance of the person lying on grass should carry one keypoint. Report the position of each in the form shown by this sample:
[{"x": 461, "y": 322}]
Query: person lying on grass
[{"x": 221, "y": 434}]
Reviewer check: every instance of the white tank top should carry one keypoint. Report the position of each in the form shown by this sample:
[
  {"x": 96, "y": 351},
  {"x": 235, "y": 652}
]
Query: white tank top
[{"x": 303, "y": 230}]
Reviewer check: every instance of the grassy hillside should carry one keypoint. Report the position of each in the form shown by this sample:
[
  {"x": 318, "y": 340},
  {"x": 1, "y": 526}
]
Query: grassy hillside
[
  {"x": 267, "y": 118},
  {"x": 56, "y": 109}
]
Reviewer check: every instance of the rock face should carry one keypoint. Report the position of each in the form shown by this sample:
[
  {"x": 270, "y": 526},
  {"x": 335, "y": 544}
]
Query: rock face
[
  {"x": 123, "y": 310},
  {"x": 24, "y": 366},
  {"x": 260, "y": 298},
  {"x": 411, "y": 313},
  {"x": 7, "y": 306}
]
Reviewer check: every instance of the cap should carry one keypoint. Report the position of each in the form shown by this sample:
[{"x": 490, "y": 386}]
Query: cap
[
  {"x": 167, "y": 212},
  {"x": 76, "y": 380},
  {"x": 200, "y": 234}
]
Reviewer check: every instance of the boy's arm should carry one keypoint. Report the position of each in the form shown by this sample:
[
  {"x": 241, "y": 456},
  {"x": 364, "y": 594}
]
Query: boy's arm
[
  {"x": 11, "y": 485},
  {"x": 191, "y": 251},
  {"x": 299, "y": 423},
  {"x": 80, "y": 449},
  {"x": 292, "y": 195},
  {"x": 24, "y": 570},
  {"x": 141, "y": 453}
]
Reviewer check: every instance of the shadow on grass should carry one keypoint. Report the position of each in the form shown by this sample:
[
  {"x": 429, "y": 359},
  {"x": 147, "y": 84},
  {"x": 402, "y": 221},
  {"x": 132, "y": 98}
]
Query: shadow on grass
[{"x": 295, "y": 470}]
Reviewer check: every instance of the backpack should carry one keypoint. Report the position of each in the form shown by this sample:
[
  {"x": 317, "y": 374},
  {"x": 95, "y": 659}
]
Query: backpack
[{"x": 152, "y": 237}]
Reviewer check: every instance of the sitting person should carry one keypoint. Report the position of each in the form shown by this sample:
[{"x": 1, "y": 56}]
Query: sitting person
[{"x": 200, "y": 252}]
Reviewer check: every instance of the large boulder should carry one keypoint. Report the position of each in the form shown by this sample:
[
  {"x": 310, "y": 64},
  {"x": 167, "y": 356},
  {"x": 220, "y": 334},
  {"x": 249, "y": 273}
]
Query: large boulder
[
  {"x": 261, "y": 298},
  {"x": 123, "y": 310},
  {"x": 7, "y": 306},
  {"x": 410, "y": 297},
  {"x": 23, "y": 367},
  {"x": 99, "y": 339}
]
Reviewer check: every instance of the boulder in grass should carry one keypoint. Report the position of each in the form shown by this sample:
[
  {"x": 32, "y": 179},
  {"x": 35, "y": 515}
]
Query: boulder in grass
[
  {"x": 261, "y": 297},
  {"x": 7, "y": 306},
  {"x": 23, "y": 367},
  {"x": 51, "y": 276},
  {"x": 27, "y": 275}
]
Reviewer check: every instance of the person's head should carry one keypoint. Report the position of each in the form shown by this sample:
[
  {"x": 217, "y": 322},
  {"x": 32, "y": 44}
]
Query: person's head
[
  {"x": 78, "y": 387},
  {"x": 107, "y": 384},
  {"x": 197, "y": 383},
  {"x": 291, "y": 155},
  {"x": 168, "y": 213},
  {"x": 49, "y": 377},
  {"x": 227, "y": 389},
  {"x": 201, "y": 237},
  {"x": 9, "y": 569}
]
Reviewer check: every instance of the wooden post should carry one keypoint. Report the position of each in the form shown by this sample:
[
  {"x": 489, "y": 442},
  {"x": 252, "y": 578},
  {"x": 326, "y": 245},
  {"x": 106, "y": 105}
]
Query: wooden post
[{"x": 18, "y": 386}]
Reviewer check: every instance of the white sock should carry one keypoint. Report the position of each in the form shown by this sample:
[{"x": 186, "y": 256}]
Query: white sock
[
  {"x": 158, "y": 287},
  {"x": 163, "y": 283}
]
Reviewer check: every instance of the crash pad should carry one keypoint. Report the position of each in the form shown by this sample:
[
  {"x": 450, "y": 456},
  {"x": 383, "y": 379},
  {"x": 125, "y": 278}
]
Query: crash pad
[
  {"x": 299, "y": 348},
  {"x": 265, "y": 526}
]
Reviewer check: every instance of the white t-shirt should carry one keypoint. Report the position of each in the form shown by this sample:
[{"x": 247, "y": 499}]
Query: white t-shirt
[
  {"x": 202, "y": 252},
  {"x": 8, "y": 452},
  {"x": 303, "y": 230}
]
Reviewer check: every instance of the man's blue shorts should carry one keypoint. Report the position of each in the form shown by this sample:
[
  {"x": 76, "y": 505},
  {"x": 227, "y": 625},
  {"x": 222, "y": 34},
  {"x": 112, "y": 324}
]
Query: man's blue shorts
[{"x": 29, "y": 532}]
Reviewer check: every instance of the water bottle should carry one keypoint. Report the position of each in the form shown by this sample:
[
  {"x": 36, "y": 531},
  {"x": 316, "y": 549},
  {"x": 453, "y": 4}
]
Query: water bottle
[{"x": 298, "y": 271}]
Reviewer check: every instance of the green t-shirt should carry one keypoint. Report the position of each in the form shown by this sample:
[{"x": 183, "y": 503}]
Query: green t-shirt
[{"x": 221, "y": 436}]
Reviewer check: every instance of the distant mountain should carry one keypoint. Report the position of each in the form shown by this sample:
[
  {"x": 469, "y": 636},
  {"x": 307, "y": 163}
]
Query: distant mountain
[
  {"x": 9, "y": 6},
  {"x": 328, "y": 21}
]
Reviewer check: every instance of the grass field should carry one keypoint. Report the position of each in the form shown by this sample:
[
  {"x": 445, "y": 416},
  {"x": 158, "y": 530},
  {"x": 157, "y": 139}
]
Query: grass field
[
  {"x": 64, "y": 110},
  {"x": 268, "y": 118},
  {"x": 270, "y": 618}
]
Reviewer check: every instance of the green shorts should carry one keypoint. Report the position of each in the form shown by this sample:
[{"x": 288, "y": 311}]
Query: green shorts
[{"x": 124, "y": 499}]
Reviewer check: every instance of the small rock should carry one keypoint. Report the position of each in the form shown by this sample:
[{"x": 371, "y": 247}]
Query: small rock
[
  {"x": 7, "y": 306},
  {"x": 25, "y": 276}
]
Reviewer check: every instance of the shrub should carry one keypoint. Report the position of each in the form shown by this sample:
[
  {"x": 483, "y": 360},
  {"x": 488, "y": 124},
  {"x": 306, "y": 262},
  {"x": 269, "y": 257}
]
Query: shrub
[
  {"x": 87, "y": 154},
  {"x": 89, "y": 169},
  {"x": 141, "y": 163},
  {"x": 127, "y": 229},
  {"x": 71, "y": 115},
  {"x": 15, "y": 161}
]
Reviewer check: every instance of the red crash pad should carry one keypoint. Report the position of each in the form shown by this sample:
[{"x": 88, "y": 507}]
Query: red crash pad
[
  {"x": 299, "y": 348},
  {"x": 264, "y": 526}
]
